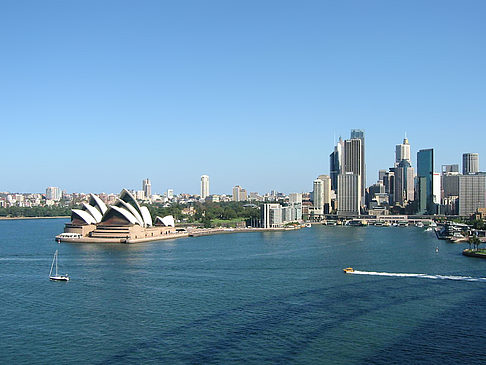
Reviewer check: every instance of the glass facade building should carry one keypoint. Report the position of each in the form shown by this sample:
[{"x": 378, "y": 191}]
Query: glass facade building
[{"x": 425, "y": 175}]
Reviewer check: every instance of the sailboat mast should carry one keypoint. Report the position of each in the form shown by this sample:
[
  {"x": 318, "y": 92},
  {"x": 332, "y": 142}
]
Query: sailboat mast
[
  {"x": 56, "y": 262},
  {"x": 52, "y": 265}
]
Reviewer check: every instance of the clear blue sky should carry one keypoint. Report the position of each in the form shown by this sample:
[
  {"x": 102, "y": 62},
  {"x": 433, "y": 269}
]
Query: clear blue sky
[{"x": 97, "y": 95}]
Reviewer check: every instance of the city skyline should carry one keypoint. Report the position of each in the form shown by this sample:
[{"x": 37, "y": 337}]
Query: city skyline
[{"x": 177, "y": 79}]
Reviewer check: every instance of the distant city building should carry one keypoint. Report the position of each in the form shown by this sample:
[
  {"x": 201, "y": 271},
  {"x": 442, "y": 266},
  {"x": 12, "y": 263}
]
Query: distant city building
[
  {"x": 359, "y": 134},
  {"x": 271, "y": 215},
  {"x": 381, "y": 175},
  {"x": 349, "y": 194},
  {"x": 140, "y": 195},
  {"x": 53, "y": 193},
  {"x": 404, "y": 183},
  {"x": 402, "y": 152},
  {"x": 239, "y": 194},
  {"x": 295, "y": 205},
  {"x": 425, "y": 172},
  {"x": 470, "y": 163},
  {"x": 450, "y": 168},
  {"x": 170, "y": 194},
  {"x": 336, "y": 163},
  {"x": 472, "y": 193},
  {"x": 436, "y": 185},
  {"x": 204, "y": 186},
  {"x": 147, "y": 188}
]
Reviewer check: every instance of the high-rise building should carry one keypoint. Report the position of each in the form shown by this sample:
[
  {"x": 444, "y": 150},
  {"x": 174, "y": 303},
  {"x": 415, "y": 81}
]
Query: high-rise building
[
  {"x": 336, "y": 163},
  {"x": 53, "y": 193},
  {"x": 295, "y": 204},
  {"x": 271, "y": 215},
  {"x": 147, "y": 188},
  {"x": 472, "y": 193},
  {"x": 349, "y": 194},
  {"x": 402, "y": 152},
  {"x": 470, "y": 163},
  {"x": 381, "y": 175},
  {"x": 170, "y": 194},
  {"x": 239, "y": 194},
  {"x": 403, "y": 191},
  {"x": 204, "y": 186},
  {"x": 436, "y": 186},
  {"x": 359, "y": 134},
  {"x": 318, "y": 196},
  {"x": 450, "y": 168},
  {"x": 425, "y": 174}
]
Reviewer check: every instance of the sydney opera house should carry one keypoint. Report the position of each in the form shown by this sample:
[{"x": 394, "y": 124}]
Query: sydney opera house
[{"x": 126, "y": 221}]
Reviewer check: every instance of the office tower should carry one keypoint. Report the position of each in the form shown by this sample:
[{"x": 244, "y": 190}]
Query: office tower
[
  {"x": 349, "y": 194},
  {"x": 472, "y": 193},
  {"x": 470, "y": 163},
  {"x": 425, "y": 172},
  {"x": 318, "y": 196},
  {"x": 450, "y": 168},
  {"x": 336, "y": 163},
  {"x": 359, "y": 134},
  {"x": 381, "y": 175},
  {"x": 403, "y": 190},
  {"x": 389, "y": 183},
  {"x": 239, "y": 194},
  {"x": 402, "y": 152},
  {"x": 326, "y": 196},
  {"x": 295, "y": 204},
  {"x": 53, "y": 193},
  {"x": 204, "y": 186},
  {"x": 353, "y": 162},
  {"x": 147, "y": 188},
  {"x": 271, "y": 215},
  {"x": 436, "y": 186}
]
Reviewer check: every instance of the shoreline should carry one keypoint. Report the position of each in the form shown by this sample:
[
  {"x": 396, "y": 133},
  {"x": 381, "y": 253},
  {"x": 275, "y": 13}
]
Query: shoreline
[
  {"x": 20, "y": 218},
  {"x": 194, "y": 233}
]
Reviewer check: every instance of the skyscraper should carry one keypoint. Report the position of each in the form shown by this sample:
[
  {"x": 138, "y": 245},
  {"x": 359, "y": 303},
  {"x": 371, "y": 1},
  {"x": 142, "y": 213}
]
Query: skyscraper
[
  {"x": 402, "y": 152},
  {"x": 318, "y": 194},
  {"x": 403, "y": 190},
  {"x": 359, "y": 134},
  {"x": 349, "y": 200},
  {"x": 425, "y": 173},
  {"x": 353, "y": 162},
  {"x": 336, "y": 163},
  {"x": 470, "y": 163},
  {"x": 472, "y": 193},
  {"x": 204, "y": 186},
  {"x": 404, "y": 183},
  {"x": 147, "y": 188}
]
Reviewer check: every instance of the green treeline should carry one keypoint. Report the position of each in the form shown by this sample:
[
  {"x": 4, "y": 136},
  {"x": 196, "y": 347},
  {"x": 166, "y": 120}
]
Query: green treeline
[
  {"x": 206, "y": 213},
  {"x": 38, "y": 211}
]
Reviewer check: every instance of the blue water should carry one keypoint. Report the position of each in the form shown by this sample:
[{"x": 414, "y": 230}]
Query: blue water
[{"x": 241, "y": 298}]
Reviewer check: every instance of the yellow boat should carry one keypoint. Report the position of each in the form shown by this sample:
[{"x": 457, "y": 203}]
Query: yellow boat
[{"x": 348, "y": 270}]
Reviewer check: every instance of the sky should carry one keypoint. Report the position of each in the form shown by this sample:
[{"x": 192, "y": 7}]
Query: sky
[{"x": 97, "y": 95}]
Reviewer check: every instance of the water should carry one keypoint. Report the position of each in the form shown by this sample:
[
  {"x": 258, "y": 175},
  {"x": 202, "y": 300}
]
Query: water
[{"x": 241, "y": 298}]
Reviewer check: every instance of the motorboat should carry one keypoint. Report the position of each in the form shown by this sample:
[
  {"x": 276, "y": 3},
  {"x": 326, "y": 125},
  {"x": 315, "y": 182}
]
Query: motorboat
[{"x": 348, "y": 270}]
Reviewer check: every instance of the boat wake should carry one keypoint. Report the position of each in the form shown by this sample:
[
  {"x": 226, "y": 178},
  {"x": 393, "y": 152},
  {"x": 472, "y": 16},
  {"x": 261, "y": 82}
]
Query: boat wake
[{"x": 420, "y": 276}]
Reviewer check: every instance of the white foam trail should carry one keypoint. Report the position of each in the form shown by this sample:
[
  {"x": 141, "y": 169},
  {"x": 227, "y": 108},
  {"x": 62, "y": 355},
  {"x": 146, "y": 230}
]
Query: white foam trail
[{"x": 421, "y": 276}]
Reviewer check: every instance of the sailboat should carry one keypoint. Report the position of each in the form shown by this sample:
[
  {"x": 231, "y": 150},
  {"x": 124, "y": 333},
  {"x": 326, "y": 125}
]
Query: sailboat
[{"x": 56, "y": 276}]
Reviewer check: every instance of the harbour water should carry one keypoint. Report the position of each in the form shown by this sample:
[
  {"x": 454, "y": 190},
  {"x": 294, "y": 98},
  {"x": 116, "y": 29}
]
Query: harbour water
[{"x": 257, "y": 298}]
